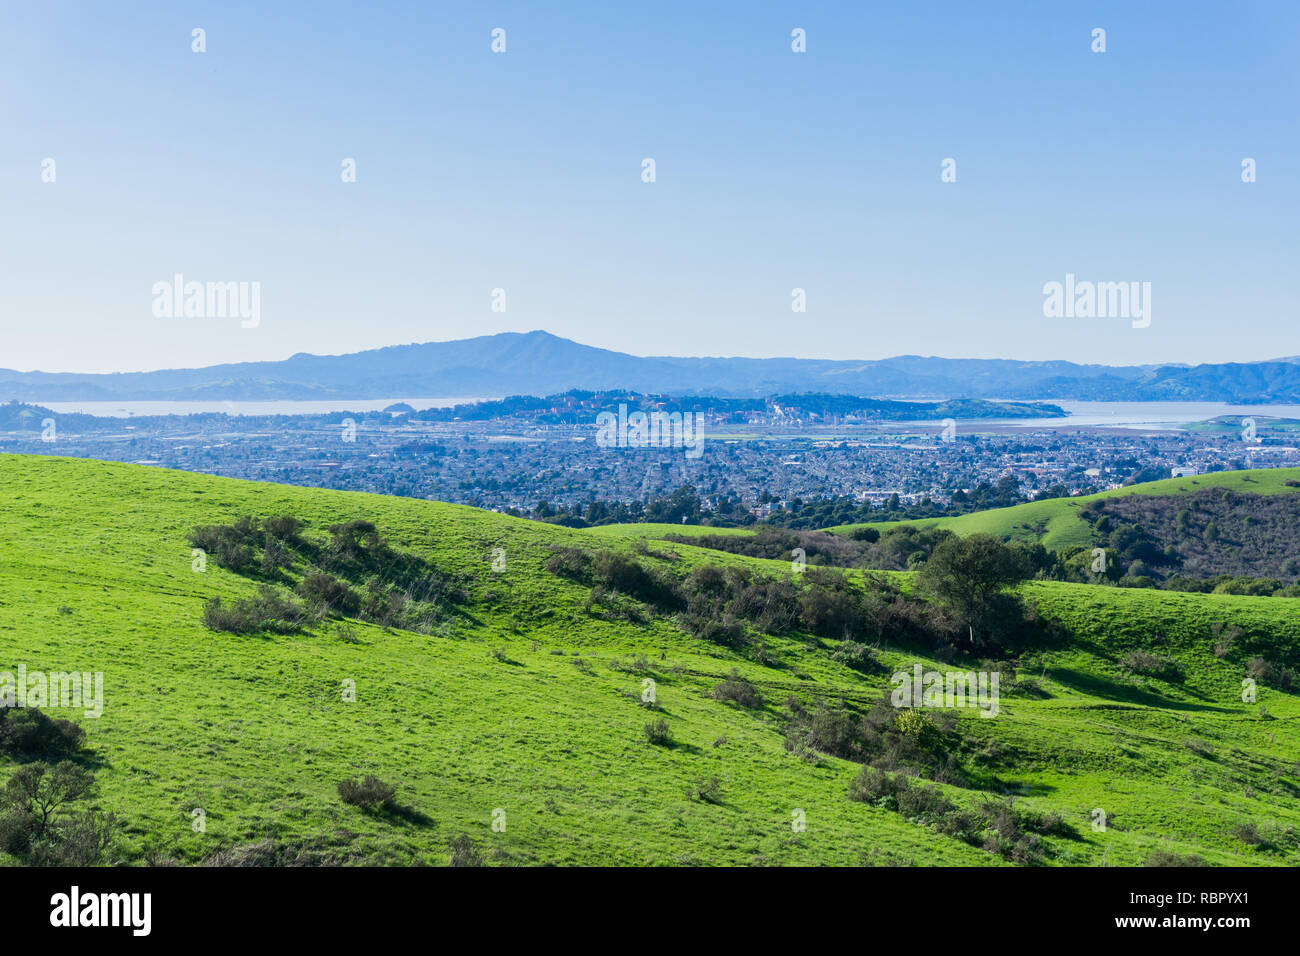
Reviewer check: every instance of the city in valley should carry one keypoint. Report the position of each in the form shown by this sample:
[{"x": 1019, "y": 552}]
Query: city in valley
[{"x": 774, "y": 460}]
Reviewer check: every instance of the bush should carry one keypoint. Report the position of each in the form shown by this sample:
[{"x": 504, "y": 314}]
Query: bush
[
  {"x": 1144, "y": 662},
  {"x": 321, "y": 590},
  {"x": 463, "y": 852},
  {"x": 266, "y": 612},
  {"x": 26, "y": 732},
  {"x": 16, "y": 828},
  {"x": 1224, "y": 639},
  {"x": 1248, "y": 833},
  {"x": 1169, "y": 858},
  {"x": 569, "y": 563},
  {"x": 706, "y": 790},
  {"x": 726, "y": 630},
  {"x": 78, "y": 840},
  {"x": 829, "y": 612},
  {"x": 872, "y": 785},
  {"x": 923, "y": 803},
  {"x": 857, "y": 657},
  {"x": 659, "y": 733},
  {"x": 621, "y": 573},
  {"x": 1274, "y": 675},
  {"x": 738, "y": 690},
  {"x": 369, "y": 793},
  {"x": 889, "y": 738},
  {"x": 284, "y": 528}
]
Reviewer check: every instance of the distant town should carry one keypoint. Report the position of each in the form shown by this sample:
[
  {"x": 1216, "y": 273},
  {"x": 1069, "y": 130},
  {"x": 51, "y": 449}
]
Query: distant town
[{"x": 760, "y": 460}]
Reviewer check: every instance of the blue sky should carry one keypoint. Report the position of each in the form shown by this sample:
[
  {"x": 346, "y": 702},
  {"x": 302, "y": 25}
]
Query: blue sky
[{"x": 522, "y": 171}]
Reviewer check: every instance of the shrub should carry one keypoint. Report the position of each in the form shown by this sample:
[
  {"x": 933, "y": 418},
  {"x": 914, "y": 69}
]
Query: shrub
[
  {"x": 369, "y": 793},
  {"x": 1274, "y": 675},
  {"x": 36, "y": 824},
  {"x": 16, "y": 828},
  {"x": 659, "y": 733},
  {"x": 285, "y": 528},
  {"x": 230, "y": 546},
  {"x": 1144, "y": 662},
  {"x": 702, "y": 625},
  {"x": 322, "y": 590},
  {"x": 924, "y": 803},
  {"x": 78, "y": 840},
  {"x": 621, "y": 573},
  {"x": 355, "y": 538},
  {"x": 872, "y": 785},
  {"x": 1224, "y": 639},
  {"x": 27, "y": 732},
  {"x": 569, "y": 563},
  {"x": 266, "y": 612},
  {"x": 463, "y": 852},
  {"x": 830, "y": 613},
  {"x": 706, "y": 790},
  {"x": 738, "y": 690},
  {"x": 1248, "y": 833},
  {"x": 856, "y": 657},
  {"x": 1169, "y": 858}
]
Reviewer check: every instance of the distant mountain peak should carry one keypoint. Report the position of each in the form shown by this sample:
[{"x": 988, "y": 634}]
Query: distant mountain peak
[{"x": 538, "y": 362}]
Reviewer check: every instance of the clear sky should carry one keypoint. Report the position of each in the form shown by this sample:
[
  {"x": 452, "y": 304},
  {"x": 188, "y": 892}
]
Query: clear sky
[{"x": 774, "y": 170}]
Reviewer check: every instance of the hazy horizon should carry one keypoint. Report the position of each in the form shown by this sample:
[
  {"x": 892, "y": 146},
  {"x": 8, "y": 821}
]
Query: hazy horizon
[{"x": 814, "y": 358}]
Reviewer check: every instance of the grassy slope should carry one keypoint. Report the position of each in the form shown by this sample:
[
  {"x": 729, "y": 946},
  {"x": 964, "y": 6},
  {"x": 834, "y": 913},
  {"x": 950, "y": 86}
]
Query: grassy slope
[
  {"x": 254, "y": 730},
  {"x": 1056, "y": 521}
]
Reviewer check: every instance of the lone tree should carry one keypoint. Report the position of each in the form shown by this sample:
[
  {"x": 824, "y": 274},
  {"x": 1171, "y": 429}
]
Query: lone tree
[
  {"x": 969, "y": 576},
  {"x": 39, "y": 793}
]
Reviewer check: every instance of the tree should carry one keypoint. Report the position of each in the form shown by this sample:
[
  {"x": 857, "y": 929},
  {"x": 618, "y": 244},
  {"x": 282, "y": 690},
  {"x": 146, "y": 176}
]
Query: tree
[
  {"x": 37, "y": 791},
  {"x": 38, "y": 824},
  {"x": 969, "y": 575}
]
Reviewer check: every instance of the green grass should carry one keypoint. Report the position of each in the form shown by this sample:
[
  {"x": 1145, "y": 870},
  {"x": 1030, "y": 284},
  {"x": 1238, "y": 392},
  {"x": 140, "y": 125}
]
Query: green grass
[{"x": 95, "y": 574}]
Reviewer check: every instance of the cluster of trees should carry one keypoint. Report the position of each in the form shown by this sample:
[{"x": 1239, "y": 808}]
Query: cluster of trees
[
  {"x": 355, "y": 573},
  {"x": 1213, "y": 541},
  {"x": 895, "y": 549},
  {"x": 965, "y": 578}
]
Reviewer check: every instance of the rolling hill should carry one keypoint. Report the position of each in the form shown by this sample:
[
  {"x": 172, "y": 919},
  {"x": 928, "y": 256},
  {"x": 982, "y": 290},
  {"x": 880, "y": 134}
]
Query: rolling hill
[{"x": 524, "y": 706}]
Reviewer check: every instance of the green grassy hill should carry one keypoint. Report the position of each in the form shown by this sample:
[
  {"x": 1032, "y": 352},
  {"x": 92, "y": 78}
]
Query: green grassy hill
[
  {"x": 1056, "y": 522},
  {"x": 523, "y": 702}
]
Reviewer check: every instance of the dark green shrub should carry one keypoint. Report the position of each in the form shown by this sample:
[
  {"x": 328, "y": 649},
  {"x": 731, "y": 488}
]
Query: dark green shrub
[
  {"x": 369, "y": 793},
  {"x": 659, "y": 733},
  {"x": 463, "y": 852},
  {"x": 322, "y": 590},
  {"x": 1169, "y": 858},
  {"x": 27, "y": 732},
  {"x": 266, "y": 612},
  {"x": 738, "y": 690}
]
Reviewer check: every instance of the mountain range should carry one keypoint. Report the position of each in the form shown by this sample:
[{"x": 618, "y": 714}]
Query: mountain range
[{"x": 538, "y": 363}]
